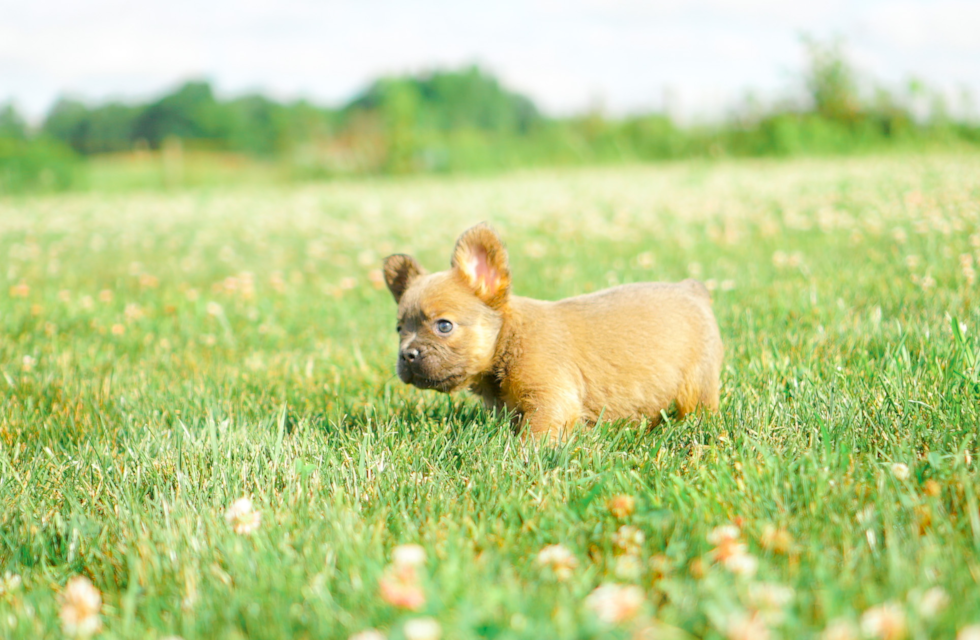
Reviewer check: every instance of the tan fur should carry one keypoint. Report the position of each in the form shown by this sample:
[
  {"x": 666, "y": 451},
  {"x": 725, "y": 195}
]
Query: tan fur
[{"x": 628, "y": 352}]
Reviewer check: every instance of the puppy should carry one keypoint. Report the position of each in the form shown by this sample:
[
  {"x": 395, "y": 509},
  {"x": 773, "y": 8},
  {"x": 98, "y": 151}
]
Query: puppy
[{"x": 622, "y": 353}]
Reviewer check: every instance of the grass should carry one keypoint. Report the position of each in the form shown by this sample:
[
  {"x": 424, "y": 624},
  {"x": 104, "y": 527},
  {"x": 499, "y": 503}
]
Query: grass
[{"x": 163, "y": 354}]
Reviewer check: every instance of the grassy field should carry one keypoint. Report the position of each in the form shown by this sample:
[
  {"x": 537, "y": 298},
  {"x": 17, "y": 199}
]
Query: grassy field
[{"x": 165, "y": 354}]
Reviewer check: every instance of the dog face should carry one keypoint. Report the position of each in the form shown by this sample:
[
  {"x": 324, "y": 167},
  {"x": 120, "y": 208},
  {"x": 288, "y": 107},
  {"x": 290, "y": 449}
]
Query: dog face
[{"x": 448, "y": 322}]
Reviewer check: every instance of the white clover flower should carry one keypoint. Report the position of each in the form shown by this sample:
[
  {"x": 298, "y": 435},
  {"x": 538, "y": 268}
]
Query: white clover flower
[
  {"x": 741, "y": 564},
  {"x": 614, "y": 603},
  {"x": 840, "y": 630},
  {"x": 408, "y": 555},
  {"x": 628, "y": 567},
  {"x": 931, "y": 603},
  {"x": 723, "y": 534},
  {"x": 769, "y": 596},
  {"x": 559, "y": 559},
  {"x": 628, "y": 539},
  {"x": 422, "y": 629},
  {"x": 9, "y": 583},
  {"x": 900, "y": 471},
  {"x": 242, "y": 518},
  {"x": 971, "y": 632},
  {"x": 80, "y": 606},
  {"x": 886, "y": 621},
  {"x": 746, "y": 627}
]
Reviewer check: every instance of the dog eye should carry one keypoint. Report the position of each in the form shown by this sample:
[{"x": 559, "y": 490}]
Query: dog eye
[
  {"x": 398, "y": 328},
  {"x": 444, "y": 326}
]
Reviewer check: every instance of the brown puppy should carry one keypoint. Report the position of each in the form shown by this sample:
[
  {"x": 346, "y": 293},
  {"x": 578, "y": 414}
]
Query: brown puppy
[{"x": 623, "y": 353}]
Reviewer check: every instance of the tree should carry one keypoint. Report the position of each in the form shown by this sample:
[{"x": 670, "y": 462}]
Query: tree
[
  {"x": 831, "y": 81},
  {"x": 189, "y": 113},
  {"x": 12, "y": 126}
]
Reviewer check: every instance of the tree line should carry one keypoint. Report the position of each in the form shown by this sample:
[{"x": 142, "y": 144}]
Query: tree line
[{"x": 462, "y": 120}]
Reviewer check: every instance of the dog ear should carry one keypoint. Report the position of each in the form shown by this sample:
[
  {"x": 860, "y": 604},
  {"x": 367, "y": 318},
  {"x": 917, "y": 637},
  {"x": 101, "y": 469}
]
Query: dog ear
[
  {"x": 480, "y": 259},
  {"x": 400, "y": 271}
]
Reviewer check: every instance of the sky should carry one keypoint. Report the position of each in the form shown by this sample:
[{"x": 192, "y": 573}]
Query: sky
[{"x": 696, "y": 57}]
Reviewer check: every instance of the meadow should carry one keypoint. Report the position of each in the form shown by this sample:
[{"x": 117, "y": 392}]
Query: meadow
[{"x": 166, "y": 353}]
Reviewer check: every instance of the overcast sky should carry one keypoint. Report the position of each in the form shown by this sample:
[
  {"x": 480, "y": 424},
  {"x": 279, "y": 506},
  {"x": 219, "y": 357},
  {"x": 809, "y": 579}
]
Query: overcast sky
[{"x": 567, "y": 55}]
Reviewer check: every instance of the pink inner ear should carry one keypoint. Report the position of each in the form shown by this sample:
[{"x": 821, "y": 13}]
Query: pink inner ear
[{"x": 486, "y": 277}]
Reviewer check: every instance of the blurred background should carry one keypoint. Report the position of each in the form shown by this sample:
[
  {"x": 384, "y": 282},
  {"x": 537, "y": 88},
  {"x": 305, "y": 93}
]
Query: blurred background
[{"x": 109, "y": 94}]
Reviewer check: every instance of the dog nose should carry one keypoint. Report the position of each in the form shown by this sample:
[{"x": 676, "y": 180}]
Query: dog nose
[{"x": 410, "y": 354}]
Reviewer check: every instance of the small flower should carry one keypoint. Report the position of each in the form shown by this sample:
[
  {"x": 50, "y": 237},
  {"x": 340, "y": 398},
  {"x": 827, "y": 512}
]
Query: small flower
[
  {"x": 398, "y": 593},
  {"x": 628, "y": 567},
  {"x": 614, "y": 603},
  {"x": 400, "y": 585},
  {"x": 20, "y": 290},
  {"x": 932, "y": 488},
  {"x": 840, "y": 629},
  {"x": 118, "y": 329},
  {"x": 149, "y": 282},
  {"x": 768, "y": 596},
  {"x": 377, "y": 278},
  {"x": 886, "y": 621},
  {"x": 900, "y": 471},
  {"x": 698, "y": 568},
  {"x": 214, "y": 309},
  {"x": 742, "y": 564},
  {"x": 105, "y": 295},
  {"x": 133, "y": 311},
  {"x": 621, "y": 506},
  {"x": 242, "y": 518},
  {"x": 277, "y": 283},
  {"x": 408, "y": 555},
  {"x": 660, "y": 566},
  {"x": 930, "y": 603},
  {"x": 368, "y": 634},
  {"x": 422, "y": 629},
  {"x": 746, "y": 627},
  {"x": 777, "y": 540},
  {"x": 347, "y": 283},
  {"x": 770, "y": 599},
  {"x": 559, "y": 559},
  {"x": 80, "y": 606},
  {"x": 629, "y": 540},
  {"x": 724, "y": 534},
  {"x": 9, "y": 583},
  {"x": 27, "y": 363},
  {"x": 971, "y": 632}
]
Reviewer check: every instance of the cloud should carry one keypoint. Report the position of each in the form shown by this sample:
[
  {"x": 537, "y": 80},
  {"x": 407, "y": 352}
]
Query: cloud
[
  {"x": 950, "y": 25},
  {"x": 565, "y": 54}
]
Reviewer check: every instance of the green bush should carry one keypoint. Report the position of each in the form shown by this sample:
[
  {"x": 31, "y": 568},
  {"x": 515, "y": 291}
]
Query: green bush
[{"x": 36, "y": 164}]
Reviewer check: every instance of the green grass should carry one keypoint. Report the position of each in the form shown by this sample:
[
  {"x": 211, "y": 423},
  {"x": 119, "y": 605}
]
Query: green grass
[{"x": 162, "y": 355}]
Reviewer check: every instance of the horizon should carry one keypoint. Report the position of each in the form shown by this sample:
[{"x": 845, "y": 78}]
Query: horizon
[{"x": 566, "y": 57}]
